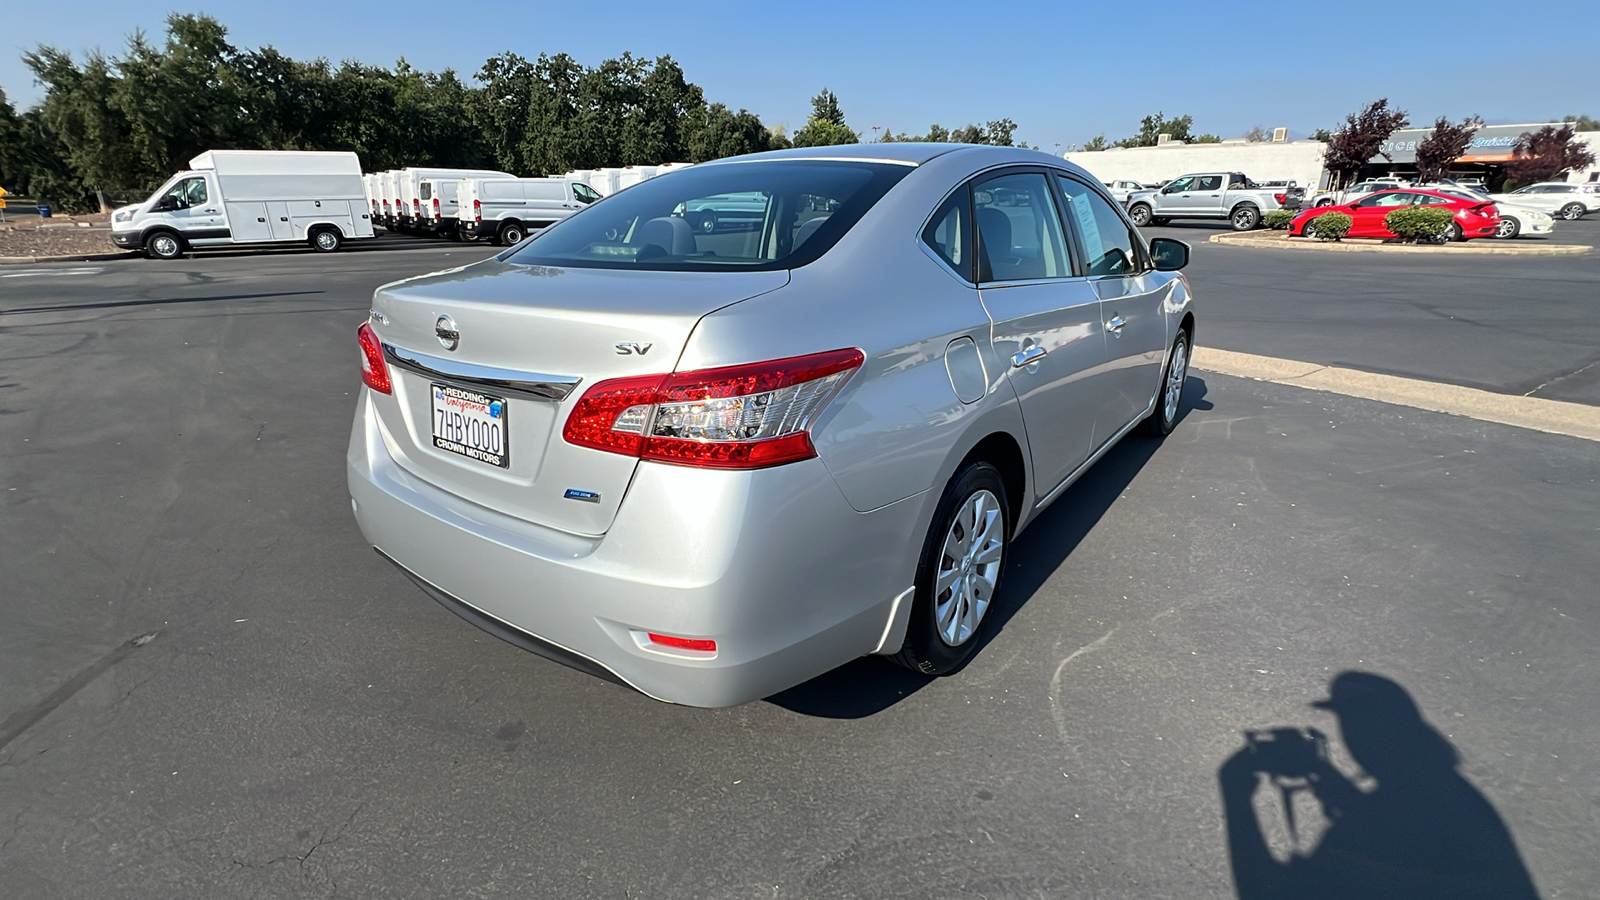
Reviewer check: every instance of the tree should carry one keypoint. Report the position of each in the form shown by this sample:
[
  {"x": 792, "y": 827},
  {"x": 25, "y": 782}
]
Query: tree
[
  {"x": 1582, "y": 123},
  {"x": 826, "y": 126},
  {"x": 1444, "y": 146},
  {"x": 1152, "y": 127},
  {"x": 1322, "y": 134},
  {"x": 1207, "y": 139},
  {"x": 1257, "y": 134},
  {"x": 1547, "y": 154},
  {"x": 1098, "y": 142},
  {"x": 1362, "y": 137}
]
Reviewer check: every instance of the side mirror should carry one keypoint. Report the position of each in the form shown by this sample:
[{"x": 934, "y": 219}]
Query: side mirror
[
  {"x": 1167, "y": 189},
  {"x": 1168, "y": 255}
]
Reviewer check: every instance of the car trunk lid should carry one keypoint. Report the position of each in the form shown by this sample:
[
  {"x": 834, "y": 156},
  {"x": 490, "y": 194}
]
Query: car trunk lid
[{"x": 534, "y": 338}]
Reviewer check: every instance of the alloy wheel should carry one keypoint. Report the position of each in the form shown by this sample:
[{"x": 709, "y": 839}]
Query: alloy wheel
[
  {"x": 969, "y": 568},
  {"x": 1177, "y": 373}
]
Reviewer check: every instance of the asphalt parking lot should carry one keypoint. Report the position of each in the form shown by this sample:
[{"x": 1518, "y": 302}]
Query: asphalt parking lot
[{"x": 210, "y": 686}]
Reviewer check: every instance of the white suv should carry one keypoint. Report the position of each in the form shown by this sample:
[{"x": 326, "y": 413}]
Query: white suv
[{"x": 1563, "y": 199}]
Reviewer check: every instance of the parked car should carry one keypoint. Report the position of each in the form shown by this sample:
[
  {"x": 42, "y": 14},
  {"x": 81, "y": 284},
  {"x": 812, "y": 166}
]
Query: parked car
[
  {"x": 1356, "y": 191},
  {"x": 712, "y": 466},
  {"x": 229, "y": 197},
  {"x": 1212, "y": 195},
  {"x": 1474, "y": 218},
  {"x": 1567, "y": 200},
  {"x": 506, "y": 210},
  {"x": 1514, "y": 219},
  {"x": 1122, "y": 189}
]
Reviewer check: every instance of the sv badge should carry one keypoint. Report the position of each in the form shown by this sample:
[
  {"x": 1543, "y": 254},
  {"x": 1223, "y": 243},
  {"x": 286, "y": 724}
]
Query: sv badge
[{"x": 629, "y": 348}]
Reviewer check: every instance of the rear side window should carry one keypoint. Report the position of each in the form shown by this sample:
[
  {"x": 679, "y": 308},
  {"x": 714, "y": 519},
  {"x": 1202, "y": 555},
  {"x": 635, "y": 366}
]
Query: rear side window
[
  {"x": 749, "y": 216},
  {"x": 1208, "y": 183},
  {"x": 949, "y": 233},
  {"x": 1109, "y": 245},
  {"x": 1019, "y": 231}
]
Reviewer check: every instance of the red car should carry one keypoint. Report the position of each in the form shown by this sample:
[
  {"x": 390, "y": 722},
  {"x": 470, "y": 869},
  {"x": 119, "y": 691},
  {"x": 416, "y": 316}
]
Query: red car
[{"x": 1474, "y": 219}]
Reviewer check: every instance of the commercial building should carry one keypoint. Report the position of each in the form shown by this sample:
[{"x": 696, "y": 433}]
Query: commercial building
[{"x": 1301, "y": 161}]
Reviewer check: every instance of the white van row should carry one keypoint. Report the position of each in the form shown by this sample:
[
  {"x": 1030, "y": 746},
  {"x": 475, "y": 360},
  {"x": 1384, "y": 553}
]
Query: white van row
[{"x": 474, "y": 204}]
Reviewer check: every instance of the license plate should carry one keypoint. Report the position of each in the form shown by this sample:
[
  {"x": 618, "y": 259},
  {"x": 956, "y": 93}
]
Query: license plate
[{"x": 471, "y": 424}]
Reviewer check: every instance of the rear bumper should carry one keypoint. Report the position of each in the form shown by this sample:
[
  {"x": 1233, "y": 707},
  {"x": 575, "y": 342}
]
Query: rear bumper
[{"x": 772, "y": 564}]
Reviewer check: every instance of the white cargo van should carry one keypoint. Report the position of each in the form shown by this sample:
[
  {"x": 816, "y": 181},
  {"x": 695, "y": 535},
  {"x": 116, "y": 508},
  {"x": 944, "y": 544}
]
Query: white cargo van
[
  {"x": 506, "y": 210},
  {"x": 369, "y": 183},
  {"x": 411, "y": 214},
  {"x": 389, "y": 185},
  {"x": 250, "y": 197}
]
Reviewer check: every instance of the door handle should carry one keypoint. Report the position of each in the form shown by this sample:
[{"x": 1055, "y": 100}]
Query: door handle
[
  {"x": 208, "y": 210},
  {"x": 1115, "y": 325},
  {"x": 1026, "y": 357}
]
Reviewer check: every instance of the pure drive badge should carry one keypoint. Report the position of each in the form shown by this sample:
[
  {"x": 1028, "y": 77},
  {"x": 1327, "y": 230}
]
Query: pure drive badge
[{"x": 585, "y": 496}]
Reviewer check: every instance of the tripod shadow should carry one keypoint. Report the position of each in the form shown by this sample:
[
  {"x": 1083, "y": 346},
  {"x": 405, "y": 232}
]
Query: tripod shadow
[{"x": 1409, "y": 825}]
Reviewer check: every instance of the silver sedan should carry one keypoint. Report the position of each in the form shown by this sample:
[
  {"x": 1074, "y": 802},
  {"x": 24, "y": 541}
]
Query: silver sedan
[{"x": 711, "y": 462}]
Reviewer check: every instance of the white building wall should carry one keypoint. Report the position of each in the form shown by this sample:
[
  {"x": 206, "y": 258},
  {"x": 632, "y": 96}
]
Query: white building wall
[
  {"x": 1297, "y": 161},
  {"x": 1593, "y": 172}
]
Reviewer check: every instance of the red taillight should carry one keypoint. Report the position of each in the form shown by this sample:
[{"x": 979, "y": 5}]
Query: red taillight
[
  {"x": 436, "y": 207},
  {"x": 1281, "y": 198},
  {"x": 477, "y": 211},
  {"x": 667, "y": 640},
  {"x": 374, "y": 371},
  {"x": 737, "y": 417}
]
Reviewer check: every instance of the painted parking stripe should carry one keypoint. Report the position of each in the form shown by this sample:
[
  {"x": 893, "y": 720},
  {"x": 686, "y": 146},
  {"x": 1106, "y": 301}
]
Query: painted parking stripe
[
  {"x": 1551, "y": 416},
  {"x": 50, "y": 273}
]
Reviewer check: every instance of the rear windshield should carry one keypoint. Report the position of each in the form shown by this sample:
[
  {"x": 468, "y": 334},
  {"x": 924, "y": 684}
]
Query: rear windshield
[{"x": 755, "y": 216}]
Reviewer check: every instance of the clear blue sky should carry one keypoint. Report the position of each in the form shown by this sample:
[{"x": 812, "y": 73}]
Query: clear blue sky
[{"x": 1063, "y": 71}]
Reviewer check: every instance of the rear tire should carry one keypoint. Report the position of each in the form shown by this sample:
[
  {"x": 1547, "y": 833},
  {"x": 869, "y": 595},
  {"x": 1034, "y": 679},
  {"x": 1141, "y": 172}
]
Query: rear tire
[
  {"x": 163, "y": 245},
  {"x": 1174, "y": 377},
  {"x": 1140, "y": 214},
  {"x": 1572, "y": 212},
  {"x": 959, "y": 574},
  {"x": 1244, "y": 218},
  {"x": 511, "y": 233},
  {"x": 326, "y": 240}
]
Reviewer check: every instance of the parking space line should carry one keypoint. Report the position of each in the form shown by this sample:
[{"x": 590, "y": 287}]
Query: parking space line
[{"x": 1536, "y": 413}]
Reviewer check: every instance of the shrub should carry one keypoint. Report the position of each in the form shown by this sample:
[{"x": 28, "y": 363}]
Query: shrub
[
  {"x": 1329, "y": 226},
  {"x": 1278, "y": 219},
  {"x": 1419, "y": 223}
]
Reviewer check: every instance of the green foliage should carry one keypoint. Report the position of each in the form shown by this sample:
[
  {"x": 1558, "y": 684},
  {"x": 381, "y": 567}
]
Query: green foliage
[
  {"x": 1207, "y": 139},
  {"x": 1278, "y": 219},
  {"x": 1152, "y": 127},
  {"x": 1419, "y": 223},
  {"x": 1330, "y": 226},
  {"x": 826, "y": 126},
  {"x": 1583, "y": 123},
  {"x": 1322, "y": 134},
  {"x": 1098, "y": 142},
  {"x": 998, "y": 133}
]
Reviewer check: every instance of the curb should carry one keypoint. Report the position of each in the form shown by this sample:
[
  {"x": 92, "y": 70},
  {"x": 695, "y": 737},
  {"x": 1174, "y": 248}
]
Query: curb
[
  {"x": 1274, "y": 241},
  {"x": 71, "y": 257}
]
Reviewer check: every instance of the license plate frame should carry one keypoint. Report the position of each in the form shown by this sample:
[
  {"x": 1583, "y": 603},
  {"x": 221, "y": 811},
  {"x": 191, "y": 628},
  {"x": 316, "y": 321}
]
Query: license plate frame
[{"x": 474, "y": 416}]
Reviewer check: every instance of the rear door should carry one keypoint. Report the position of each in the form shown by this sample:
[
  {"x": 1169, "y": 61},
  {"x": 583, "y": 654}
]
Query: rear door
[
  {"x": 1208, "y": 195},
  {"x": 1132, "y": 299},
  {"x": 1046, "y": 320}
]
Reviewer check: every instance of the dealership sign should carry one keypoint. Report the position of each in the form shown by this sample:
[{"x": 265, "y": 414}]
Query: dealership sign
[{"x": 1492, "y": 143}]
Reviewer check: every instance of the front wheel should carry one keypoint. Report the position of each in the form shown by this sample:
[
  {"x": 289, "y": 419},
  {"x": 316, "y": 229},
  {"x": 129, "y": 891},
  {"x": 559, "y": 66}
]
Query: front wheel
[
  {"x": 1169, "y": 402},
  {"x": 1245, "y": 218},
  {"x": 163, "y": 245},
  {"x": 1572, "y": 212},
  {"x": 1140, "y": 214},
  {"x": 1508, "y": 228},
  {"x": 959, "y": 574}
]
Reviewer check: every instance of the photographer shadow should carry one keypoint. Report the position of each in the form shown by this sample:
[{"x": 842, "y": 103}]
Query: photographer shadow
[{"x": 1409, "y": 825}]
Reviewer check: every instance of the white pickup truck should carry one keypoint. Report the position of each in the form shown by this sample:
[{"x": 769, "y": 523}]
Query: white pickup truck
[{"x": 1212, "y": 195}]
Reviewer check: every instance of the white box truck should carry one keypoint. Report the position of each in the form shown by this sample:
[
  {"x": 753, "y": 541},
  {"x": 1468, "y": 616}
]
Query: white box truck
[
  {"x": 410, "y": 216},
  {"x": 229, "y": 197},
  {"x": 506, "y": 210}
]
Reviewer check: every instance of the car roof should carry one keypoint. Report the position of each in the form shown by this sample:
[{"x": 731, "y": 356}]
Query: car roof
[{"x": 913, "y": 153}]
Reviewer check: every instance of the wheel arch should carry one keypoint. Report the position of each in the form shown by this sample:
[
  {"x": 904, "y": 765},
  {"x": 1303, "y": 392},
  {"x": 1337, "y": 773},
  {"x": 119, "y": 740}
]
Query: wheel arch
[
  {"x": 1000, "y": 449},
  {"x": 315, "y": 227}
]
